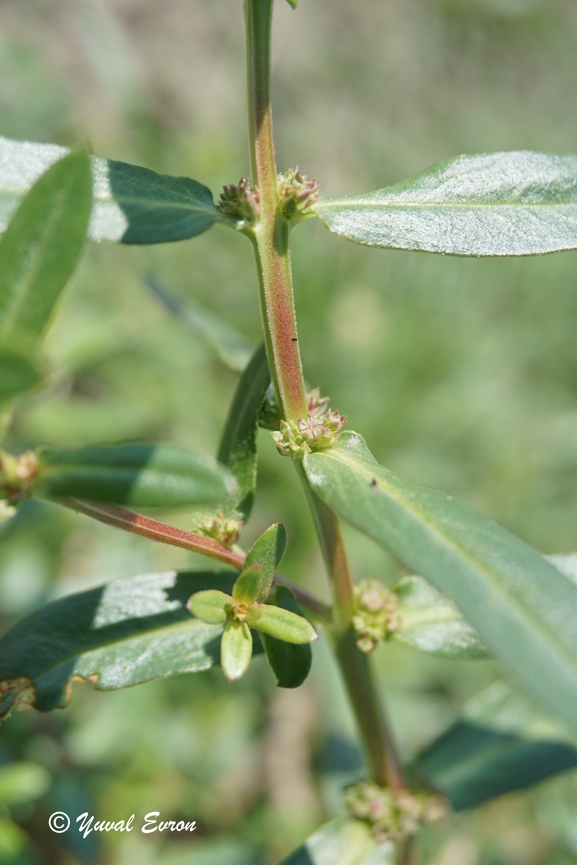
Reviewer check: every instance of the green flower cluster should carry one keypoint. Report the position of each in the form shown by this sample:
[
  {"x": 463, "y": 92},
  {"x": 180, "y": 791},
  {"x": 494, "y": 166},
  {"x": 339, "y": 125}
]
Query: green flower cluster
[
  {"x": 242, "y": 202},
  {"x": 318, "y": 431},
  {"x": 394, "y": 815},
  {"x": 17, "y": 474},
  {"x": 220, "y": 526},
  {"x": 296, "y": 192},
  {"x": 376, "y": 616}
]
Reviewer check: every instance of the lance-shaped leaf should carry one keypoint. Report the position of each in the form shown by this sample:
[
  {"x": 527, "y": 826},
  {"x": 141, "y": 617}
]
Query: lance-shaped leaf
[
  {"x": 131, "y": 204},
  {"x": 281, "y": 624},
  {"x": 41, "y": 248},
  {"x": 268, "y": 552},
  {"x": 230, "y": 346},
  {"x": 290, "y": 663},
  {"x": 126, "y": 632},
  {"x": 248, "y": 586},
  {"x": 237, "y": 449},
  {"x": 501, "y": 744},
  {"x": 522, "y": 607},
  {"x": 235, "y": 649},
  {"x": 429, "y": 621},
  {"x": 517, "y": 203},
  {"x": 343, "y": 841},
  {"x": 142, "y": 475},
  {"x": 17, "y": 374}
]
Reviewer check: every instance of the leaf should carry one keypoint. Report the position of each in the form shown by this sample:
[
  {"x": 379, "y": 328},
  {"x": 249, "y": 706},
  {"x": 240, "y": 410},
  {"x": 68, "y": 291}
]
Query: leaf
[
  {"x": 281, "y": 624},
  {"x": 268, "y": 551},
  {"x": 343, "y": 841},
  {"x": 41, "y": 247},
  {"x": 248, "y": 586},
  {"x": 230, "y": 346},
  {"x": 131, "y": 204},
  {"x": 120, "y": 634},
  {"x": 235, "y": 650},
  {"x": 500, "y": 745},
  {"x": 138, "y": 474},
  {"x": 290, "y": 663},
  {"x": 432, "y": 623},
  {"x": 238, "y": 447},
  {"x": 292, "y": 3},
  {"x": 521, "y": 606},
  {"x": 517, "y": 203},
  {"x": 17, "y": 374},
  {"x": 209, "y": 606}
]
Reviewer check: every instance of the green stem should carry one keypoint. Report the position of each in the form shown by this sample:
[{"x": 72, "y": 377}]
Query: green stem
[{"x": 271, "y": 232}]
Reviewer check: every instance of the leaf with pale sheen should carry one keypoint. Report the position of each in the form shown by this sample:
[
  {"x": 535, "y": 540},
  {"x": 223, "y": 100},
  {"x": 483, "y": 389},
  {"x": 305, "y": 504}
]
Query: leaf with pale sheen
[
  {"x": 17, "y": 374},
  {"x": 268, "y": 551},
  {"x": 500, "y": 744},
  {"x": 235, "y": 649},
  {"x": 238, "y": 447},
  {"x": 137, "y": 474},
  {"x": 522, "y": 607},
  {"x": 492, "y": 204},
  {"x": 132, "y": 205},
  {"x": 41, "y": 247},
  {"x": 290, "y": 663},
  {"x": 343, "y": 841},
  {"x": 429, "y": 621},
  {"x": 120, "y": 634}
]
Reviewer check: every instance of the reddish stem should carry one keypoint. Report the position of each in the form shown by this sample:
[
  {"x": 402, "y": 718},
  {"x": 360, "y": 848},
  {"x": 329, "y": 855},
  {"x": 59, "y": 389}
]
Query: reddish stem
[{"x": 137, "y": 524}]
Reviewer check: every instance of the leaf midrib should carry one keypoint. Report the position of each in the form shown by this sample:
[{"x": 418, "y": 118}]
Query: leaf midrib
[
  {"x": 338, "y": 455},
  {"x": 365, "y": 204}
]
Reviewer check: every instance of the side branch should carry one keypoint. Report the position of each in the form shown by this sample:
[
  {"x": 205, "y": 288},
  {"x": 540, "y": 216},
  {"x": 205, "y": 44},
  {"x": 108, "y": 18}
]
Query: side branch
[{"x": 154, "y": 530}]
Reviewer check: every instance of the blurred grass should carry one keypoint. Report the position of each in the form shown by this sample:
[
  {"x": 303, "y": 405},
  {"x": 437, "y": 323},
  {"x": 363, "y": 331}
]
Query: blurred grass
[{"x": 461, "y": 374}]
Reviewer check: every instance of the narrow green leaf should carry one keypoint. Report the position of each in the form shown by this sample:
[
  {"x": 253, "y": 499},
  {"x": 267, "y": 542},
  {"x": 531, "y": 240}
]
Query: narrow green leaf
[
  {"x": 238, "y": 447},
  {"x": 281, "y": 624},
  {"x": 131, "y": 204},
  {"x": 142, "y": 475},
  {"x": 268, "y": 551},
  {"x": 292, "y": 3},
  {"x": 521, "y": 606},
  {"x": 343, "y": 841},
  {"x": 17, "y": 374},
  {"x": 501, "y": 744},
  {"x": 248, "y": 586},
  {"x": 120, "y": 634},
  {"x": 290, "y": 663},
  {"x": 209, "y": 606},
  {"x": 230, "y": 346},
  {"x": 432, "y": 623},
  {"x": 517, "y": 203},
  {"x": 235, "y": 650},
  {"x": 41, "y": 247}
]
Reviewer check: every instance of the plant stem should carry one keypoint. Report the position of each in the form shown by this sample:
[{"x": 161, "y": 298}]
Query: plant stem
[
  {"x": 272, "y": 252},
  {"x": 137, "y": 524},
  {"x": 271, "y": 232},
  {"x": 377, "y": 738}
]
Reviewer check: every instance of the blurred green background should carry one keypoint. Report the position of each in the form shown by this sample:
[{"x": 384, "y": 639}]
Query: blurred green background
[{"x": 462, "y": 374}]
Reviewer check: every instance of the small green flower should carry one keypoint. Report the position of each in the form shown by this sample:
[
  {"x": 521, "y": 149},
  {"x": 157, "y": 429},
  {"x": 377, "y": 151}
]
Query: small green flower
[
  {"x": 376, "y": 617},
  {"x": 243, "y": 610},
  {"x": 318, "y": 431},
  {"x": 242, "y": 202},
  {"x": 393, "y": 815},
  {"x": 17, "y": 474},
  {"x": 220, "y": 526},
  {"x": 296, "y": 192}
]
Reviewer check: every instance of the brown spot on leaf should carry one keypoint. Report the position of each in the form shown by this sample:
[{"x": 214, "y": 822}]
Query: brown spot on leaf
[
  {"x": 373, "y": 482},
  {"x": 16, "y": 693}
]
